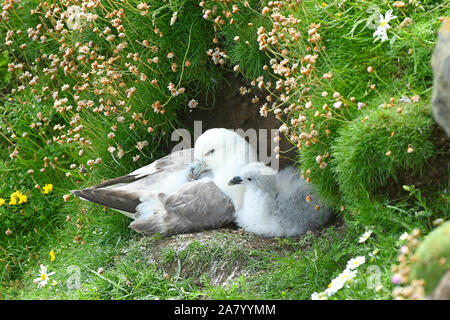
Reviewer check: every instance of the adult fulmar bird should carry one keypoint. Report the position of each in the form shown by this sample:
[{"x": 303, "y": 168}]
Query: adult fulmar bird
[{"x": 184, "y": 192}]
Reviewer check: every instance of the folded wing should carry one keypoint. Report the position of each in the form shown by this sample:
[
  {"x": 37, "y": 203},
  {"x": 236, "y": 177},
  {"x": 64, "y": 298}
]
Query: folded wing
[
  {"x": 198, "y": 205},
  {"x": 124, "y": 193}
]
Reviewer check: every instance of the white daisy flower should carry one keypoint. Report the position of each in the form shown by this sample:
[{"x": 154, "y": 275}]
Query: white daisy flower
[
  {"x": 44, "y": 277},
  {"x": 365, "y": 236},
  {"x": 355, "y": 262},
  {"x": 383, "y": 26},
  {"x": 347, "y": 275},
  {"x": 334, "y": 286}
]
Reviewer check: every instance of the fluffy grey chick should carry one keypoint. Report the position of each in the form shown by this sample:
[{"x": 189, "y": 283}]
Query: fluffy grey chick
[{"x": 275, "y": 204}]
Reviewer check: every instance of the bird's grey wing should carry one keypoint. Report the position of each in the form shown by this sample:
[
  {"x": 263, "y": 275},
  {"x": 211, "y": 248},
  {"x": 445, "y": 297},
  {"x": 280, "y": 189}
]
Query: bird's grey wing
[
  {"x": 124, "y": 193},
  {"x": 198, "y": 205},
  {"x": 178, "y": 160},
  {"x": 126, "y": 202}
]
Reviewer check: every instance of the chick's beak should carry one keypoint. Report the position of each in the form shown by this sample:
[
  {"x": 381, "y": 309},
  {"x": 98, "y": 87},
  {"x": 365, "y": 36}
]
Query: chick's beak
[{"x": 235, "y": 180}]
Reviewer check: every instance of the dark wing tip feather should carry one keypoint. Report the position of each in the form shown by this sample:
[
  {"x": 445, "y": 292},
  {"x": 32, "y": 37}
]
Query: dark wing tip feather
[
  {"x": 75, "y": 192},
  {"x": 119, "y": 200}
]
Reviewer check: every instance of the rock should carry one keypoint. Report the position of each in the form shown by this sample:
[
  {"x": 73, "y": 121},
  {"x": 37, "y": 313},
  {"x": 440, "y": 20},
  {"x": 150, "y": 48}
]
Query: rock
[
  {"x": 433, "y": 257},
  {"x": 441, "y": 69},
  {"x": 442, "y": 291}
]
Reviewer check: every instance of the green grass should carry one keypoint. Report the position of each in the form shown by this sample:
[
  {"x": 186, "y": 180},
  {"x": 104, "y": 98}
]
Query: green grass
[
  {"x": 197, "y": 266},
  {"x": 360, "y": 181}
]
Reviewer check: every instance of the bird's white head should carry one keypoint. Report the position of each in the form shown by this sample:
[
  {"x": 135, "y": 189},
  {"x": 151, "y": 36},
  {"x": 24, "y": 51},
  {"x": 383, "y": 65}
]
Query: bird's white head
[
  {"x": 221, "y": 149},
  {"x": 224, "y": 152}
]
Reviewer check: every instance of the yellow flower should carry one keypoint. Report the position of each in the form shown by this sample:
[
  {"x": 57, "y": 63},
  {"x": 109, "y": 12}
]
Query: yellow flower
[
  {"x": 52, "y": 255},
  {"x": 17, "y": 197},
  {"x": 22, "y": 198},
  {"x": 2, "y": 201},
  {"x": 47, "y": 188},
  {"x": 13, "y": 200}
]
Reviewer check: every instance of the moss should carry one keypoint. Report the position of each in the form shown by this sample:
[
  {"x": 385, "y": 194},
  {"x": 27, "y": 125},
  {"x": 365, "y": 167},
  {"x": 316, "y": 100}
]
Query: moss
[
  {"x": 433, "y": 257},
  {"x": 374, "y": 147}
]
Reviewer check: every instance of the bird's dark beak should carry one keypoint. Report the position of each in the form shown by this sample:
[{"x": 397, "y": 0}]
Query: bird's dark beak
[
  {"x": 196, "y": 169},
  {"x": 235, "y": 180}
]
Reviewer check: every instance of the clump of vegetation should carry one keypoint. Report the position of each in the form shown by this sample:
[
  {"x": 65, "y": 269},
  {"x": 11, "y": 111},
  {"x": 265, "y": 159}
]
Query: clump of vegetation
[
  {"x": 422, "y": 262},
  {"x": 406, "y": 287},
  {"x": 377, "y": 147},
  {"x": 107, "y": 74},
  {"x": 433, "y": 257}
]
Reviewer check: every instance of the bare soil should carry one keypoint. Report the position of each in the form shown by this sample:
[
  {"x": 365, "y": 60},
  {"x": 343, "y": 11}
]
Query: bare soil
[
  {"x": 227, "y": 108},
  {"x": 433, "y": 177}
]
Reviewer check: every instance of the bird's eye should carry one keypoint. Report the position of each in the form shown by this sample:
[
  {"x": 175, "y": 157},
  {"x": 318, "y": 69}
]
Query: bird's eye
[
  {"x": 210, "y": 152},
  {"x": 249, "y": 179}
]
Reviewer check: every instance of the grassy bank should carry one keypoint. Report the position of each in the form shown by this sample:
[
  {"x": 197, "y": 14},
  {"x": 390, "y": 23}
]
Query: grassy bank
[{"x": 92, "y": 90}]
